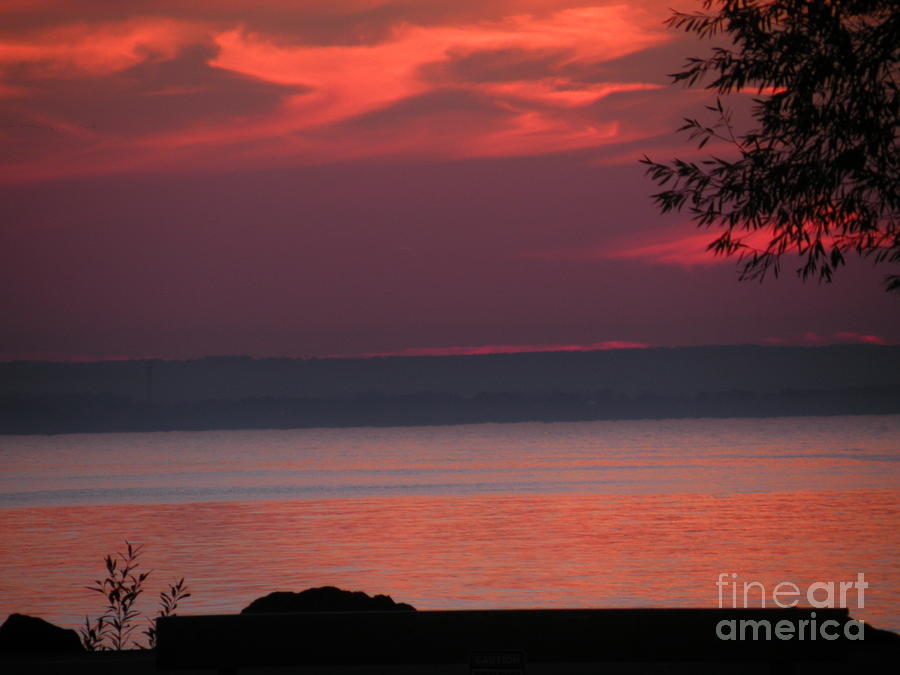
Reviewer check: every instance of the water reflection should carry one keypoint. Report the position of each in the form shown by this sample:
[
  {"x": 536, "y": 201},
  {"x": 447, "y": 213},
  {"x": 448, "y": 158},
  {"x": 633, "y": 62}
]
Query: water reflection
[
  {"x": 464, "y": 551},
  {"x": 600, "y": 514}
]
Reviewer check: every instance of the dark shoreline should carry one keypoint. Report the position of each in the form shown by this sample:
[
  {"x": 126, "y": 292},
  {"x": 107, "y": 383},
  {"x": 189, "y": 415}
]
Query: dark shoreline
[
  {"x": 629, "y": 384},
  {"x": 91, "y": 413},
  {"x": 507, "y": 642}
]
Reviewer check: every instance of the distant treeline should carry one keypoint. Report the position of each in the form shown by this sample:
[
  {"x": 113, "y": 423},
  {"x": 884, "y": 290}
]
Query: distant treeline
[
  {"x": 72, "y": 413},
  {"x": 684, "y": 371}
]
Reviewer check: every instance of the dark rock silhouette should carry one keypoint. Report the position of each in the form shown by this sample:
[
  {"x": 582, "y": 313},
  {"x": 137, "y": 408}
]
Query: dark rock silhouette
[
  {"x": 324, "y": 599},
  {"x": 22, "y": 633}
]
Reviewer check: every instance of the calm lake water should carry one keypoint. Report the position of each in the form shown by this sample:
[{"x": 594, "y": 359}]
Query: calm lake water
[{"x": 593, "y": 514}]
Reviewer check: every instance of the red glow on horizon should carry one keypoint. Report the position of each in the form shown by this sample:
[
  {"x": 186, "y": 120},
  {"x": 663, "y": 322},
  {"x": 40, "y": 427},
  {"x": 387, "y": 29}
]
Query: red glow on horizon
[
  {"x": 807, "y": 339},
  {"x": 65, "y": 357},
  {"x": 811, "y": 338},
  {"x": 502, "y": 349}
]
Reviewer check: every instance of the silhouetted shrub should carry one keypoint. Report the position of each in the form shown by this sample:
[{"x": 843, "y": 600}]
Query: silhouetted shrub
[{"x": 121, "y": 587}]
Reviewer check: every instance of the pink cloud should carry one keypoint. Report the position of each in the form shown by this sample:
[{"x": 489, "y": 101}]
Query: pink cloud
[
  {"x": 681, "y": 246},
  {"x": 686, "y": 250},
  {"x": 681, "y": 250},
  {"x": 691, "y": 250}
]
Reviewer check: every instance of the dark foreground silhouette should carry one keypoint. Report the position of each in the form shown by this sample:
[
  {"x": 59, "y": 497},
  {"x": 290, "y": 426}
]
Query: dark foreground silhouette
[
  {"x": 324, "y": 599},
  {"x": 335, "y": 631},
  {"x": 510, "y": 642},
  {"x": 29, "y": 634}
]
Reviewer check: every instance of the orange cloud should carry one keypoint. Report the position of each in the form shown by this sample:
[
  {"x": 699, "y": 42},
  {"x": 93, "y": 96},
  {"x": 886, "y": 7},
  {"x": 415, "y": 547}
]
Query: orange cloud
[
  {"x": 327, "y": 88},
  {"x": 85, "y": 49},
  {"x": 563, "y": 92},
  {"x": 351, "y": 80}
]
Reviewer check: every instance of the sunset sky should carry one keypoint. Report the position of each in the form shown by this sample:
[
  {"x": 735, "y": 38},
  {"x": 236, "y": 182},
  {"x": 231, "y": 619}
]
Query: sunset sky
[{"x": 339, "y": 177}]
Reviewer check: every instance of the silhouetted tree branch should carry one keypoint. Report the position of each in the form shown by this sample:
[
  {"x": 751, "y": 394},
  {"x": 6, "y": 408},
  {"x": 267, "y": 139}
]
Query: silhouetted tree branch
[{"x": 818, "y": 176}]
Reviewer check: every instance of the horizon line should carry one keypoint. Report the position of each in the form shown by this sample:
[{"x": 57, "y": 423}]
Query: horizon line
[{"x": 838, "y": 340}]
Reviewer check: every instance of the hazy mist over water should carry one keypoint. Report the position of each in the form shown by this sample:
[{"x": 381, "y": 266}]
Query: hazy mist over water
[{"x": 604, "y": 514}]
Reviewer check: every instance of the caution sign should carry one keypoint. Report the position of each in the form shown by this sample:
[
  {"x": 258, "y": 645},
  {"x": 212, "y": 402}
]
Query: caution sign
[{"x": 497, "y": 662}]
